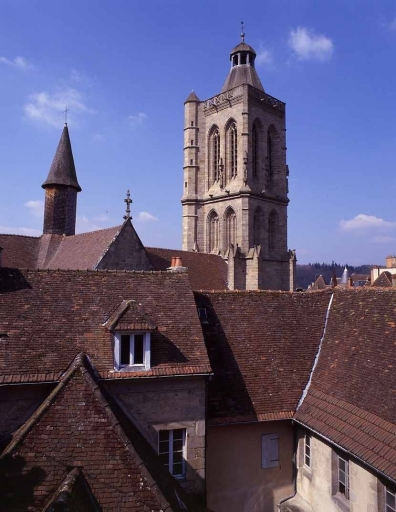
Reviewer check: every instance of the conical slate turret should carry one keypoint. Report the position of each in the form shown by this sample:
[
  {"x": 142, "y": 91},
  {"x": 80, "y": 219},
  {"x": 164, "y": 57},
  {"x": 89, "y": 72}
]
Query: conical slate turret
[
  {"x": 63, "y": 171},
  {"x": 61, "y": 187},
  {"x": 242, "y": 68}
]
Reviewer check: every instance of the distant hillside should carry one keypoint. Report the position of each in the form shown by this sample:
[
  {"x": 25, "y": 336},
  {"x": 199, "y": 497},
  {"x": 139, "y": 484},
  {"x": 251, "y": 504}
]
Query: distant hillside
[{"x": 307, "y": 274}]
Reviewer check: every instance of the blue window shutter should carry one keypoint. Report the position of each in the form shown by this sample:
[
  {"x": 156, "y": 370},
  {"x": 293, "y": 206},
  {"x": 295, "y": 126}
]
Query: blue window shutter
[{"x": 269, "y": 451}]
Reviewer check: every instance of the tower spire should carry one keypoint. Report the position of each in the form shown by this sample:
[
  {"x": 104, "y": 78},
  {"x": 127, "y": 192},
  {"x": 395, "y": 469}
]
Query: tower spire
[{"x": 242, "y": 33}]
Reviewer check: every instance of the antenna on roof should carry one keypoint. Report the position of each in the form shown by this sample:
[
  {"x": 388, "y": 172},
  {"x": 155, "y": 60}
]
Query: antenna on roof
[
  {"x": 65, "y": 112},
  {"x": 128, "y": 202},
  {"x": 242, "y": 33}
]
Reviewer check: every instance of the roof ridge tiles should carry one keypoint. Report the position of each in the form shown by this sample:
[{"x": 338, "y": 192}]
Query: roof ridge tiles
[{"x": 119, "y": 226}]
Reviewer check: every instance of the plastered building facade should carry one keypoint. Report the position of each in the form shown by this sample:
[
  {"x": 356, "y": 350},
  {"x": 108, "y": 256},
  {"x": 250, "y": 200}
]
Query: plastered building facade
[{"x": 235, "y": 193}]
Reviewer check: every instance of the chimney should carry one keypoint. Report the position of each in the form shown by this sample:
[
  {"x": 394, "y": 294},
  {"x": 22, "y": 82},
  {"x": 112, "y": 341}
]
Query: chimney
[{"x": 176, "y": 265}]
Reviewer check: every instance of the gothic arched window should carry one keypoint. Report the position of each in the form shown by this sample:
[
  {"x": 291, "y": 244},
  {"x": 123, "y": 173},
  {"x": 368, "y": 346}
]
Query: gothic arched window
[
  {"x": 270, "y": 155},
  {"x": 214, "y": 154},
  {"x": 230, "y": 227},
  {"x": 255, "y": 151},
  {"x": 233, "y": 150},
  {"x": 258, "y": 226},
  {"x": 213, "y": 231},
  {"x": 273, "y": 229}
]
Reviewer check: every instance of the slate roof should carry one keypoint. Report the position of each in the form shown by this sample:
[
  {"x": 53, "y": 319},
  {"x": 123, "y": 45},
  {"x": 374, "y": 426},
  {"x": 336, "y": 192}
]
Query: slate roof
[
  {"x": 352, "y": 396},
  {"x": 92, "y": 441},
  {"x": 50, "y": 316},
  {"x": 63, "y": 171},
  {"x": 261, "y": 346},
  {"x": 206, "y": 271},
  {"x": 241, "y": 75}
]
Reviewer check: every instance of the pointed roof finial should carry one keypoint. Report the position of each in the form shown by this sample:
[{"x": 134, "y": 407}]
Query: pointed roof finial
[
  {"x": 65, "y": 112},
  {"x": 242, "y": 33},
  {"x": 128, "y": 201}
]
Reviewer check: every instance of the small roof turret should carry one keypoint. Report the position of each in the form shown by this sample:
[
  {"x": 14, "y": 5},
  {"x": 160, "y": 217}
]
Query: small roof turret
[
  {"x": 192, "y": 97},
  {"x": 63, "y": 171},
  {"x": 242, "y": 70}
]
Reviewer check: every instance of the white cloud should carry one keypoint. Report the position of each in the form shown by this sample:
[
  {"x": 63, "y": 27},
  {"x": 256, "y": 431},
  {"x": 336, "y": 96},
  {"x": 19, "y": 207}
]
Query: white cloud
[
  {"x": 137, "y": 119},
  {"x": 264, "y": 57},
  {"x": 48, "y": 108},
  {"x": 309, "y": 46},
  {"x": 20, "y": 231},
  {"x": 18, "y": 62},
  {"x": 146, "y": 217},
  {"x": 36, "y": 208},
  {"x": 362, "y": 222}
]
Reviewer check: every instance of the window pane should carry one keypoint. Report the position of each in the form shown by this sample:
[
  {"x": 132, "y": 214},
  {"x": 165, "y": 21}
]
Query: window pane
[
  {"x": 178, "y": 469},
  {"x": 178, "y": 434},
  {"x": 125, "y": 349},
  {"x": 307, "y": 461},
  {"x": 390, "y": 500},
  {"x": 342, "y": 465},
  {"x": 177, "y": 457},
  {"x": 138, "y": 351},
  {"x": 163, "y": 447},
  {"x": 177, "y": 445},
  {"x": 164, "y": 435},
  {"x": 341, "y": 488}
]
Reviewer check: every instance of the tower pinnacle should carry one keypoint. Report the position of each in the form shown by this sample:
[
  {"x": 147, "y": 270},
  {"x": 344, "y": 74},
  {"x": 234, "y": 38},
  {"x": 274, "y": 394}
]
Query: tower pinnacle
[{"x": 242, "y": 33}]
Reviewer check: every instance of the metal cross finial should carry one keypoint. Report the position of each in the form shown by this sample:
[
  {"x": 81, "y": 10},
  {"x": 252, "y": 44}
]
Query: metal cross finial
[
  {"x": 242, "y": 33},
  {"x": 65, "y": 112},
  {"x": 128, "y": 201}
]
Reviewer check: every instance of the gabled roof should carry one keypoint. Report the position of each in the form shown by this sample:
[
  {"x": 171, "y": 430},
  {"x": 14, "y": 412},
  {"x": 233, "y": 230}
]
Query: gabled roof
[
  {"x": 384, "y": 280},
  {"x": 63, "y": 171},
  {"x": 353, "y": 385},
  {"x": 81, "y": 425},
  {"x": 49, "y": 316},
  {"x": 205, "y": 271},
  {"x": 130, "y": 317},
  {"x": 261, "y": 346}
]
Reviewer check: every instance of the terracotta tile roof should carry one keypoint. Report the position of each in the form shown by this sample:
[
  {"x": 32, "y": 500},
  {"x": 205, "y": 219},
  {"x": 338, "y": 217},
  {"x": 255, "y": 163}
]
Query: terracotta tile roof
[
  {"x": 367, "y": 436},
  {"x": 19, "y": 251},
  {"x": 261, "y": 346},
  {"x": 206, "y": 271},
  {"x": 356, "y": 373},
  {"x": 79, "y": 426},
  {"x": 384, "y": 280},
  {"x": 49, "y": 316},
  {"x": 80, "y": 252}
]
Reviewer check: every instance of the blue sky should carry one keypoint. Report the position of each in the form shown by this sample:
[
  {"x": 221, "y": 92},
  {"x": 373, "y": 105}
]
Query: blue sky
[{"x": 124, "y": 69}]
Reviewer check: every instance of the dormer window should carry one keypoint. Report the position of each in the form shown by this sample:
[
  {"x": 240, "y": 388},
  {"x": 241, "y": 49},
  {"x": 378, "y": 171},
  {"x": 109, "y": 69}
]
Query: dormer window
[{"x": 132, "y": 351}]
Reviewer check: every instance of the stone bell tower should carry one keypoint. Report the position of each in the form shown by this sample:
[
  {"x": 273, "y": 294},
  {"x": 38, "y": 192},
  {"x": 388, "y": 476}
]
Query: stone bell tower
[{"x": 235, "y": 178}]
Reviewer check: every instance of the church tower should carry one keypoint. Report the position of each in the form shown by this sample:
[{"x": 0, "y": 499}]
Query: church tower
[
  {"x": 236, "y": 178},
  {"x": 61, "y": 187}
]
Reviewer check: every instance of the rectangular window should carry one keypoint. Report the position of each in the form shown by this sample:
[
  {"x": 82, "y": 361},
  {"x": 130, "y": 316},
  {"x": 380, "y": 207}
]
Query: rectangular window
[
  {"x": 307, "y": 450},
  {"x": 269, "y": 451},
  {"x": 343, "y": 476},
  {"x": 390, "y": 501},
  {"x": 192, "y": 123},
  {"x": 132, "y": 350},
  {"x": 191, "y": 161},
  {"x": 171, "y": 450},
  {"x": 192, "y": 142}
]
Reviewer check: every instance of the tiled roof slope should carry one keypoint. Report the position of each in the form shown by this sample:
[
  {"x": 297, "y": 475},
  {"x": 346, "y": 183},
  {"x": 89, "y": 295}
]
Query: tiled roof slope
[
  {"x": 356, "y": 375},
  {"x": 19, "y": 251},
  {"x": 384, "y": 280},
  {"x": 78, "y": 252},
  {"x": 206, "y": 271},
  {"x": 261, "y": 346},
  {"x": 76, "y": 427},
  {"x": 83, "y": 251},
  {"x": 49, "y": 316}
]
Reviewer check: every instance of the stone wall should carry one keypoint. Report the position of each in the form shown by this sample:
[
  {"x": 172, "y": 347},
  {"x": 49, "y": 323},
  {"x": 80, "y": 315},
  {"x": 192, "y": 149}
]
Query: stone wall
[
  {"x": 317, "y": 484},
  {"x": 126, "y": 252},
  {"x": 165, "y": 404}
]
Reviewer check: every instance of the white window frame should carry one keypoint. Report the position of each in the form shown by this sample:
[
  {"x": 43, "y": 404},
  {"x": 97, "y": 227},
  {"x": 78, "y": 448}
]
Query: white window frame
[
  {"x": 181, "y": 476},
  {"x": 308, "y": 451},
  {"x": 269, "y": 451},
  {"x": 389, "y": 508},
  {"x": 146, "y": 351},
  {"x": 341, "y": 472}
]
